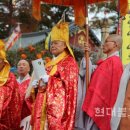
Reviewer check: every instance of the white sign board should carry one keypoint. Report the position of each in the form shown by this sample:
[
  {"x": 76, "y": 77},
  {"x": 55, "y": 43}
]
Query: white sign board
[{"x": 39, "y": 68}]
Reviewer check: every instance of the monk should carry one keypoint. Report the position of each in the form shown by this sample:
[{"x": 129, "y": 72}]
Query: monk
[
  {"x": 103, "y": 88},
  {"x": 55, "y": 104},
  {"x": 121, "y": 111},
  {"x": 81, "y": 117},
  {"x": 23, "y": 69},
  {"x": 10, "y": 107}
]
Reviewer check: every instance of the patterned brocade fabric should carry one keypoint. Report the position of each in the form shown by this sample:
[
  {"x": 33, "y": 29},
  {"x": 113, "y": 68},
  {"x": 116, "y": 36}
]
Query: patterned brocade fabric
[
  {"x": 26, "y": 103},
  {"x": 60, "y": 96},
  {"x": 10, "y": 107}
]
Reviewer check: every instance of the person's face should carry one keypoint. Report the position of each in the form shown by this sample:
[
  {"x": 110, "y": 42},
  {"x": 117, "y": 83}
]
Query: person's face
[
  {"x": 2, "y": 63},
  {"x": 23, "y": 67},
  {"x": 57, "y": 47},
  {"x": 108, "y": 46}
]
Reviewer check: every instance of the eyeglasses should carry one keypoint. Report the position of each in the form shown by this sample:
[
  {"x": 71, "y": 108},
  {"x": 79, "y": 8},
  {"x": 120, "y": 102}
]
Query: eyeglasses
[{"x": 110, "y": 41}]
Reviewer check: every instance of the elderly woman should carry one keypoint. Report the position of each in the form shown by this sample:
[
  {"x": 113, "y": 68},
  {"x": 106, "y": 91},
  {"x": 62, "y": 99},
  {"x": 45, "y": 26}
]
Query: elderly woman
[
  {"x": 10, "y": 108},
  {"x": 55, "y": 103}
]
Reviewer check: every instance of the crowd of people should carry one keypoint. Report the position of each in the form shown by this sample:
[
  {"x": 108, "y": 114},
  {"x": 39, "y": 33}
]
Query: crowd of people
[{"x": 62, "y": 100}]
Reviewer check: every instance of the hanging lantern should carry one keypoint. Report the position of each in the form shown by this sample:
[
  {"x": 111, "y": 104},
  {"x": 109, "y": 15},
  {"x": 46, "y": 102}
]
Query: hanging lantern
[
  {"x": 38, "y": 55},
  {"x": 43, "y": 52},
  {"x": 23, "y": 56},
  {"x": 21, "y": 49},
  {"x": 31, "y": 48},
  {"x": 47, "y": 59}
]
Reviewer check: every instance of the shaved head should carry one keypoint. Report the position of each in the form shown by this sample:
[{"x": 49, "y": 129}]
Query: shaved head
[
  {"x": 112, "y": 44},
  {"x": 117, "y": 38},
  {"x": 23, "y": 67}
]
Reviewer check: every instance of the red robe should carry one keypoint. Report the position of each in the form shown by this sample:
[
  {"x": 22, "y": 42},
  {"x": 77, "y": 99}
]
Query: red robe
[
  {"x": 10, "y": 107},
  {"x": 102, "y": 91},
  {"x": 60, "y": 96},
  {"x": 26, "y": 103}
]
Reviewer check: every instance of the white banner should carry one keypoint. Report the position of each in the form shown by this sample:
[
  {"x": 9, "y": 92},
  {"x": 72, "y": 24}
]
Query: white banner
[{"x": 13, "y": 38}]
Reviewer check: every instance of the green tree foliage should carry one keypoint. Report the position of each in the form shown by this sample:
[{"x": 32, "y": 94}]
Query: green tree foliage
[
  {"x": 109, "y": 15},
  {"x": 34, "y": 52},
  {"x": 30, "y": 53},
  {"x": 51, "y": 14},
  {"x": 21, "y": 11}
]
